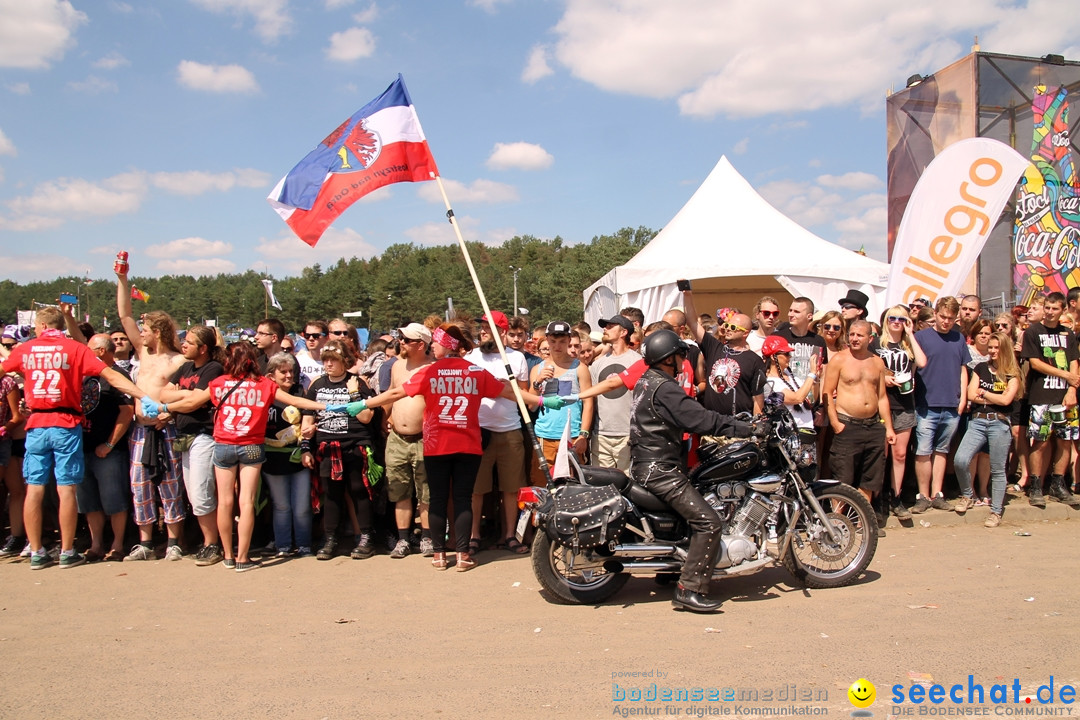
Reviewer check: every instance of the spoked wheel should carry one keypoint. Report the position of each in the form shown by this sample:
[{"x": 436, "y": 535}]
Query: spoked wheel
[
  {"x": 818, "y": 560},
  {"x": 586, "y": 583}
]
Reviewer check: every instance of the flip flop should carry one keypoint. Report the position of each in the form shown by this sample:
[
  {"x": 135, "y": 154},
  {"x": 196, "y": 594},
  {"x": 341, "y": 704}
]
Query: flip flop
[
  {"x": 514, "y": 546},
  {"x": 474, "y": 545},
  {"x": 113, "y": 556},
  {"x": 93, "y": 556}
]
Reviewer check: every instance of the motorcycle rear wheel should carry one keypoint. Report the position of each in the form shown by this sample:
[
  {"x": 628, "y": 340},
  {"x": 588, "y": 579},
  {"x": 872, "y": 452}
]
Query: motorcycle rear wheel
[
  {"x": 821, "y": 563},
  {"x": 587, "y": 584}
]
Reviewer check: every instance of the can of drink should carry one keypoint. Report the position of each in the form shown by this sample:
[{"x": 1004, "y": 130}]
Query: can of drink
[{"x": 121, "y": 265}]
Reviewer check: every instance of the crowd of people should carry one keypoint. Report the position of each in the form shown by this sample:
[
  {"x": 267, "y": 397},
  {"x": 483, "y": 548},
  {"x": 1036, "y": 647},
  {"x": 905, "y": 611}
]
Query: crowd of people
[{"x": 307, "y": 444}]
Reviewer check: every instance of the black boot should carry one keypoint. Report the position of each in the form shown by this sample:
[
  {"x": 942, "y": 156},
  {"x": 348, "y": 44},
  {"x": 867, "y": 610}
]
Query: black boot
[
  {"x": 1035, "y": 493},
  {"x": 693, "y": 601},
  {"x": 1060, "y": 491}
]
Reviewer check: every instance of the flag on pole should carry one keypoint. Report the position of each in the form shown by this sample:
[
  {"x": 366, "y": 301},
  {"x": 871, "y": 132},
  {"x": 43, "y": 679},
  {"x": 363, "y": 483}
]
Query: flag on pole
[
  {"x": 562, "y": 457},
  {"x": 104, "y": 321},
  {"x": 137, "y": 294},
  {"x": 269, "y": 285},
  {"x": 382, "y": 143}
]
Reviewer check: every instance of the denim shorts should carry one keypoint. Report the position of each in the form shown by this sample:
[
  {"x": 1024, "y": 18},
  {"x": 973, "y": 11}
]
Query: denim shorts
[
  {"x": 227, "y": 457},
  {"x": 54, "y": 451},
  {"x": 106, "y": 487},
  {"x": 934, "y": 430}
]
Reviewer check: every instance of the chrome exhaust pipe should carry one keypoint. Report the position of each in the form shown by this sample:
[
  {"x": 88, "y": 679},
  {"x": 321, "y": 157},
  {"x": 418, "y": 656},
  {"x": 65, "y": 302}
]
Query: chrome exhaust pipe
[
  {"x": 643, "y": 550},
  {"x": 642, "y": 568}
]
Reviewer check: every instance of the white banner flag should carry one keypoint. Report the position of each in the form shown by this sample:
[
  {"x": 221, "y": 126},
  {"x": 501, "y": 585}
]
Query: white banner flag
[
  {"x": 950, "y": 214},
  {"x": 562, "y": 457},
  {"x": 269, "y": 285}
]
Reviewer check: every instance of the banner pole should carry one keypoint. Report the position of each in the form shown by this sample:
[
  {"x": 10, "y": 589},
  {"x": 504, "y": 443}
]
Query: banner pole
[{"x": 525, "y": 417}]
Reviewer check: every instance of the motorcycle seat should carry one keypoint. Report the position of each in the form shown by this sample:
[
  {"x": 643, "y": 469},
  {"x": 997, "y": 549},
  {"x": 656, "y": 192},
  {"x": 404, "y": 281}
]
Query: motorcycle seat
[
  {"x": 644, "y": 499},
  {"x": 605, "y": 476}
]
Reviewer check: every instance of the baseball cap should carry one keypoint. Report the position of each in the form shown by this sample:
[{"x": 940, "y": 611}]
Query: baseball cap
[
  {"x": 498, "y": 319},
  {"x": 558, "y": 328},
  {"x": 775, "y": 344},
  {"x": 416, "y": 331},
  {"x": 620, "y": 321}
]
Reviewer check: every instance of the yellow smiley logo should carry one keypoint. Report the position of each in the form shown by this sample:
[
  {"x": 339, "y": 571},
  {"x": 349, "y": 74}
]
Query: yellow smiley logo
[{"x": 862, "y": 693}]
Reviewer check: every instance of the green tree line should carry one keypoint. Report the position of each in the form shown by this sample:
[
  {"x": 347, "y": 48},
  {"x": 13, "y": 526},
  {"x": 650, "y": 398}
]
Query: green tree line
[{"x": 406, "y": 283}]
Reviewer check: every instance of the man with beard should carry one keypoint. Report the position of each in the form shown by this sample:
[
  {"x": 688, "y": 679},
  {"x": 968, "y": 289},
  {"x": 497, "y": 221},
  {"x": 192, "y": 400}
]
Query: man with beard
[
  {"x": 611, "y": 444},
  {"x": 500, "y": 422},
  {"x": 735, "y": 374}
]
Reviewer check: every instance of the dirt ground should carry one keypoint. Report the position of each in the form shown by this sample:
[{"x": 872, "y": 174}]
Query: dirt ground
[{"x": 386, "y": 638}]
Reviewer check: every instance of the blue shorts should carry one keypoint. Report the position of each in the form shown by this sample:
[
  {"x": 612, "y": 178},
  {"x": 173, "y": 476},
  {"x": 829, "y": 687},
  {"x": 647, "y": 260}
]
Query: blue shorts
[
  {"x": 54, "y": 451},
  {"x": 227, "y": 457},
  {"x": 934, "y": 430}
]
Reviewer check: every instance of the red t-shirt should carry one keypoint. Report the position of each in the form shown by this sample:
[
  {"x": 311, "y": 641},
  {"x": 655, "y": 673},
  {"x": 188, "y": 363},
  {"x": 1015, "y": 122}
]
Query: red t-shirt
[
  {"x": 632, "y": 374},
  {"x": 452, "y": 390},
  {"x": 242, "y": 419},
  {"x": 54, "y": 368}
]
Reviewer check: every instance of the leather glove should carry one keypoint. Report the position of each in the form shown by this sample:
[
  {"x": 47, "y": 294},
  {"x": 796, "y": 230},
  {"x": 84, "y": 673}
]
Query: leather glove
[
  {"x": 759, "y": 427},
  {"x": 355, "y": 408},
  {"x": 149, "y": 407}
]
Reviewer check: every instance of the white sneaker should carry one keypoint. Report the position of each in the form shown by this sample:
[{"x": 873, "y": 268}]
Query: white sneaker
[
  {"x": 174, "y": 553},
  {"x": 26, "y": 551},
  {"x": 140, "y": 552}
]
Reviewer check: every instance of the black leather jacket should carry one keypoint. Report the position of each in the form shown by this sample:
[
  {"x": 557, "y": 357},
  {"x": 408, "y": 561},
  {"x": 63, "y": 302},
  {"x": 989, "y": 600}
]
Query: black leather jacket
[{"x": 661, "y": 412}]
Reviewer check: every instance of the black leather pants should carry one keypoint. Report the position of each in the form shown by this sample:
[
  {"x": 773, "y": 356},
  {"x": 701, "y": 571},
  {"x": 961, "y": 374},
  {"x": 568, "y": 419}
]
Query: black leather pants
[{"x": 667, "y": 482}]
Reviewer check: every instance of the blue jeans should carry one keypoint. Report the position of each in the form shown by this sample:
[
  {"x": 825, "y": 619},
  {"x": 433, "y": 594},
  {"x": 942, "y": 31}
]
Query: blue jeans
[
  {"x": 934, "y": 430},
  {"x": 291, "y": 495},
  {"x": 985, "y": 435}
]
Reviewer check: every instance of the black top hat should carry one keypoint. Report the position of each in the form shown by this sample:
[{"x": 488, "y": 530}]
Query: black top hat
[{"x": 856, "y": 298}]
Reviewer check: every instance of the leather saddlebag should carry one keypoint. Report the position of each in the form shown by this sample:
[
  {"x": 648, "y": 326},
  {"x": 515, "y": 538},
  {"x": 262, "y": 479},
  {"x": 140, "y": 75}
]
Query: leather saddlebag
[{"x": 587, "y": 516}]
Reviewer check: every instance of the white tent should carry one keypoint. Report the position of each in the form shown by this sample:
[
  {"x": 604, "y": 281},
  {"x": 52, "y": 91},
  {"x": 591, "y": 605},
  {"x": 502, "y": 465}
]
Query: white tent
[{"x": 736, "y": 248}]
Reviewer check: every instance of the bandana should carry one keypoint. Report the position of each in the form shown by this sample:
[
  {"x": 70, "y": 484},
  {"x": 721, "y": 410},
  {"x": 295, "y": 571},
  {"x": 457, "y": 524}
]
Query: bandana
[
  {"x": 724, "y": 314},
  {"x": 445, "y": 339}
]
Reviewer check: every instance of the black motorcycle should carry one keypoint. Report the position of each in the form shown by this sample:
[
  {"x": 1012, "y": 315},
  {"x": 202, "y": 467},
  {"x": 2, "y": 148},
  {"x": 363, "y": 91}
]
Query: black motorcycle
[{"x": 597, "y": 528}]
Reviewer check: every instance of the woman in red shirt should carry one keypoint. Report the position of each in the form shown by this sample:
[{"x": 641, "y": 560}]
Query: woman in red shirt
[
  {"x": 243, "y": 399},
  {"x": 452, "y": 388}
]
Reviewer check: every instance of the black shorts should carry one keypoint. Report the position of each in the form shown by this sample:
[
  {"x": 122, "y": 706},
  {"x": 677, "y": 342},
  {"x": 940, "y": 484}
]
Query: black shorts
[{"x": 857, "y": 455}]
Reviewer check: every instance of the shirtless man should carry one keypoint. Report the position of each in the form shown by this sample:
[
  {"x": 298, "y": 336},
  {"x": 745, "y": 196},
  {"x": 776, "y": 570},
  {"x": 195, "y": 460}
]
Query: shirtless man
[
  {"x": 859, "y": 414},
  {"x": 405, "y": 474},
  {"x": 154, "y": 342}
]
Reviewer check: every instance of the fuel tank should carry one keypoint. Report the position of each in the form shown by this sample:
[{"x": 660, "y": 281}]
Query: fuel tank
[{"x": 734, "y": 461}]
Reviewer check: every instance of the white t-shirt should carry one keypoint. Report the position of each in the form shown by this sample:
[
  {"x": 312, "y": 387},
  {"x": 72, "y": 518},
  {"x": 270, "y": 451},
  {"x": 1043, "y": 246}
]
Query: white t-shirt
[
  {"x": 499, "y": 414},
  {"x": 755, "y": 341},
  {"x": 804, "y": 417},
  {"x": 310, "y": 369}
]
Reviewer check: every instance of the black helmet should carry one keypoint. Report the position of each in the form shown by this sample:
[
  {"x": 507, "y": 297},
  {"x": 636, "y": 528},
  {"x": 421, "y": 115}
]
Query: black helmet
[{"x": 661, "y": 345}]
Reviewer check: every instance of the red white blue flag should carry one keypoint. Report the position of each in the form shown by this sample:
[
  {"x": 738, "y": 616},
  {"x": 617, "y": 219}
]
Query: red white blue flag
[{"x": 382, "y": 143}]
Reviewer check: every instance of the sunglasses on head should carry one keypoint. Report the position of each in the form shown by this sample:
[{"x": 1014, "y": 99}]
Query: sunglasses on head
[
  {"x": 314, "y": 336},
  {"x": 770, "y": 313},
  {"x": 834, "y": 328},
  {"x": 732, "y": 327}
]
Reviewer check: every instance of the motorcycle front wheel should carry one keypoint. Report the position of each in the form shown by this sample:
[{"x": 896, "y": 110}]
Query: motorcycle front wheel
[
  {"x": 819, "y": 561},
  {"x": 587, "y": 583}
]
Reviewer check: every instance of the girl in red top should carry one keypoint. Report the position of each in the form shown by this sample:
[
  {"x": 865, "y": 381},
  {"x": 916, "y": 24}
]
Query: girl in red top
[
  {"x": 243, "y": 399},
  {"x": 452, "y": 388}
]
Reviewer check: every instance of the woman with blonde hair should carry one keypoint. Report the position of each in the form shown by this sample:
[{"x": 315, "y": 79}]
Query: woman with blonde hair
[
  {"x": 831, "y": 328},
  {"x": 902, "y": 354},
  {"x": 994, "y": 389}
]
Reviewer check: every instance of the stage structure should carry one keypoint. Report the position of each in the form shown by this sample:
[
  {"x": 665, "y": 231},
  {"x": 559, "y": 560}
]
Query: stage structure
[{"x": 1022, "y": 102}]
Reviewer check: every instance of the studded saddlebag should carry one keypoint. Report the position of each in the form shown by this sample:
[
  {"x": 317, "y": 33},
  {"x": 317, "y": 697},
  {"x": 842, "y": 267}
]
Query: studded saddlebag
[{"x": 586, "y": 516}]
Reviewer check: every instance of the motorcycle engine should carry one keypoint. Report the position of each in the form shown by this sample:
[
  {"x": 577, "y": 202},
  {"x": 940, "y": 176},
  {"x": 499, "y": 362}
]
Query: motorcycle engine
[{"x": 743, "y": 514}]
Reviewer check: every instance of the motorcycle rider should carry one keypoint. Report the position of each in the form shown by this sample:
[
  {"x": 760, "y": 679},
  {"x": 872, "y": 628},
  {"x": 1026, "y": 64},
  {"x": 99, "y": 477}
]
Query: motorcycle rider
[{"x": 660, "y": 412}]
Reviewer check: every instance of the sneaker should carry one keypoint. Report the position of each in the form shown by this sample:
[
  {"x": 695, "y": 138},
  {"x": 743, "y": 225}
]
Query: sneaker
[
  {"x": 208, "y": 555},
  {"x": 963, "y": 504},
  {"x": 26, "y": 551},
  {"x": 401, "y": 550},
  {"x": 12, "y": 546},
  {"x": 1035, "y": 495},
  {"x": 174, "y": 553},
  {"x": 899, "y": 510},
  {"x": 940, "y": 503},
  {"x": 992, "y": 520},
  {"x": 38, "y": 562},
  {"x": 365, "y": 548},
  {"x": 921, "y": 505},
  {"x": 283, "y": 554},
  {"x": 327, "y": 550},
  {"x": 229, "y": 563},
  {"x": 141, "y": 552},
  {"x": 249, "y": 565},
  {"x": 304, "y": 551},
  {"x": 390, "y": 541},
  {"x": 427, "y": 548},
  {"x": 72, "y": 560}
]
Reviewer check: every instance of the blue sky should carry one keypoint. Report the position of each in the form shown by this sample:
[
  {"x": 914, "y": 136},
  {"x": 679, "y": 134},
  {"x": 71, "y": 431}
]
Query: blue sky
[{"x": 160, "y": 126}]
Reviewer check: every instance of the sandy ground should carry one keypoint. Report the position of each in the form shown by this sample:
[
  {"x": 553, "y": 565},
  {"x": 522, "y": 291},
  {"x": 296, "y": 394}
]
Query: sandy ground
[{"x": 386, "y": 638}]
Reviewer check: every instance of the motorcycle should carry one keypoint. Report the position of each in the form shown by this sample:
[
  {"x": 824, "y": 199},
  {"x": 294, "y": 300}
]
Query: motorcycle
[{"x": 597, "y": 527}]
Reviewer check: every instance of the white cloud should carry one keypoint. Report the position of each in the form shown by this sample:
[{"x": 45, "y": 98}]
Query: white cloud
[
  {"x": 20, "y": 88},
  {"x": 442, "y": 233},
  {"x": 287, "y": 253},
  {"x": 480, "y": 191},
  {"x": 489, "y": 6},
  {"x": 6, "y": 146},
  {"x": 272, "y": 19},
  {"x": 708, "y": 54},
  {"x": 850, "y": 181},
  {"x": 75, "y": 197},
  {"x": 520, "y": 156},
  {"x": 120, "y": 7},
  {"x": 29, "y": 223},
  {"x": 111, "y": 61},
  {"x": 536, "y": 67},
  {"x": 34, "y": 34},
  {"x": 366, "y": 16},
  {"x": 335, "y": 4},
  {"x": 31, "y": 267},
  {"x": 93, "y": 85},
  {"x": 190, "y": 247},
  {"x": 104, "y": 250},
  {"x": 216, "y": 78},
  {"x": 741, "y": 147},
  {"x": 197, "y": 182},
  {"x": 351, "y": 44},
  {"x": 202, "y": 266}
]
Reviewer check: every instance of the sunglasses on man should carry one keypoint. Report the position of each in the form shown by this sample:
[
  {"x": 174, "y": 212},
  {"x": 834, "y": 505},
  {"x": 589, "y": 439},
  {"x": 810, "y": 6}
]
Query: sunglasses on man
[
  {"x": 731, "y": 327},
  {"x": 314, "y": 336}
]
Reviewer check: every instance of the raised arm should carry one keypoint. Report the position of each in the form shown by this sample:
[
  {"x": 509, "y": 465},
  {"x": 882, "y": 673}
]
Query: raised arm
[
  {"x": 692, "y": 322},
  {"x": 123, "y": 308}
]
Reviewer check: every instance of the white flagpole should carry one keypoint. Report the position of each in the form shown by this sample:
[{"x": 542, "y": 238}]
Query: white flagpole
[{"x": 497, "y": 337}]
